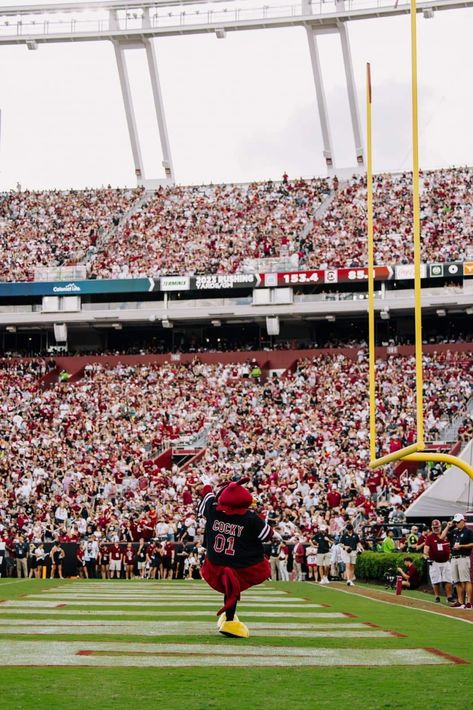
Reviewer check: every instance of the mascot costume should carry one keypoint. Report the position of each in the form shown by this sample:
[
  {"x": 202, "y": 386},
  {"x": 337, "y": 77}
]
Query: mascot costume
[{"x": 235, "y": 561}]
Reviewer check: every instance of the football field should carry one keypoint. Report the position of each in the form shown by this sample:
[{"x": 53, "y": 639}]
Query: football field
[{"x": 146, "y": 644}]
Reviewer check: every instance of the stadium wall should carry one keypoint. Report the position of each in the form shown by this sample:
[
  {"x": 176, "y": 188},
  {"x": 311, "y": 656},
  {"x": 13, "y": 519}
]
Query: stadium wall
[{"x": 274, "y": 360}]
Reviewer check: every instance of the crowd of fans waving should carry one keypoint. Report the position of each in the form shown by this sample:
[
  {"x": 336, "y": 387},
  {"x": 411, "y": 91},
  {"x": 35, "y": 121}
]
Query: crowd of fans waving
[{"x": 79, "y": 460}]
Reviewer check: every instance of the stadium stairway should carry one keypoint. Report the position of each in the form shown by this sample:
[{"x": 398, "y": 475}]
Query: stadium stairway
[
  {"x": 110, "y": 233},
  {"x": 450, "y": 432},
  {"x": 318, "y": 214}
]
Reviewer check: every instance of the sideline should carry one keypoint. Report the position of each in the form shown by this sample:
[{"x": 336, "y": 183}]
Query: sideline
[
  {"x": 359, "y": 592},
  {"x": 15, "y": 581}
]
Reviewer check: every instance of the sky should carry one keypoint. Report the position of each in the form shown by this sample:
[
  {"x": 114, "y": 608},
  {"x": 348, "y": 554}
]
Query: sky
[{"x": 237, "y": 109}]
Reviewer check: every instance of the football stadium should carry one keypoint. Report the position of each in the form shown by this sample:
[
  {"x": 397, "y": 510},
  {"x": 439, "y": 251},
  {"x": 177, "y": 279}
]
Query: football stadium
[{"x": 236, "y": 367}]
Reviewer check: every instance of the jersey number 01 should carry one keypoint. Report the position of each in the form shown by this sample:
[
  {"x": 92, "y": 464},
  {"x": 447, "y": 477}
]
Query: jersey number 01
[{"x": 222, "y": 543}]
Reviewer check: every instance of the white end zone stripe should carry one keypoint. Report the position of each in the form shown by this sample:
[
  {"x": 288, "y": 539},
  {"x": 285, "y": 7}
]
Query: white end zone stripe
[
  {"x": 59, "y": 601},
  {"x": 165, "y": 625},
  {"x": 139, "y": 630},
  {"x": 161, "y": 593},
  {"x": 215, "y": 598},
  {"x": 76, "y": 653},
  {"x": 122, "y": 613}
]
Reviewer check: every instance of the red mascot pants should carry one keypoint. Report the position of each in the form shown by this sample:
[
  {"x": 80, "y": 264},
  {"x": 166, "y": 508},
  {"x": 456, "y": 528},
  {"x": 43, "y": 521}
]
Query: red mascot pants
[{"x": 232, "y": 582}]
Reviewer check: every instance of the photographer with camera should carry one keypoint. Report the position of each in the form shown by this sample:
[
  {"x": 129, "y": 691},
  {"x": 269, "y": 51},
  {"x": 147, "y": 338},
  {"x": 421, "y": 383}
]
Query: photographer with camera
[
  {"x": 410, "y": 577},
  {"x": 461, "y": 543},
  {"x": 437, "y": 554}
]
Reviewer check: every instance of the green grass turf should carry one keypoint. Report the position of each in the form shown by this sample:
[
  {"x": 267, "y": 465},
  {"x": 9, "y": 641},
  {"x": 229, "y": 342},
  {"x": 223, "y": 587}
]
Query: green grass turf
[
  {"x": 427, "y": 596},
  {"x": 254, "y": 688}
]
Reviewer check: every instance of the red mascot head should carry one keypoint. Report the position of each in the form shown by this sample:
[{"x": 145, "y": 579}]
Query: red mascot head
[{"x": 234, "y": 499}]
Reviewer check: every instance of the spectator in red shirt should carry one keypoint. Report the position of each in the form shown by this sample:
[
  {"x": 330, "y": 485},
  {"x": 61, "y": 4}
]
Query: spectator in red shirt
[
  {"x": 129, "y": 561},
  {"x": 410, "y": 577},
  {"x": 437, "y": 552},
  {"x": 333, "y": 498},
  {"x": 115, "y": 561},
  {"x": 299, "y": 556}
]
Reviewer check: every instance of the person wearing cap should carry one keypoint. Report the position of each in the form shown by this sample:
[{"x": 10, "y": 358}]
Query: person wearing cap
[
  {"x": 412, "y": 539},
  {"x": 235, "y": 561},
  {"x": 461, "y": 542},
  {"x": 437, "y": 553}
]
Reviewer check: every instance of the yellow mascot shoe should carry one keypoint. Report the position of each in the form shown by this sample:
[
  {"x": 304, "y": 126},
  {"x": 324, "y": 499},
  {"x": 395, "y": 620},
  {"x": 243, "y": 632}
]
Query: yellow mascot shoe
[
  {"x": 235, "y": 629},
  {"x": 222, "y": 619}
]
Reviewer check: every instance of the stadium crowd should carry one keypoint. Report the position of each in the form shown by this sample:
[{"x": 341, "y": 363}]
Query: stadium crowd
[
  {"x": 216, "y": 228},
  {"x": 211, "y": 229},
  {"x": 79, "y": 460},
  {"x": 339, "y": 238},
  {"x": 54, "y": 228}
]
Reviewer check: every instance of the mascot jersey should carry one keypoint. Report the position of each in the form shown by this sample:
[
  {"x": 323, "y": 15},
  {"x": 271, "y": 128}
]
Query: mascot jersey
[{"x": 234, "y": 540}]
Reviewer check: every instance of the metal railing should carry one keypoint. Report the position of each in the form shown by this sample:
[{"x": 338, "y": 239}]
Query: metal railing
[{"x": 45, "y": 21}]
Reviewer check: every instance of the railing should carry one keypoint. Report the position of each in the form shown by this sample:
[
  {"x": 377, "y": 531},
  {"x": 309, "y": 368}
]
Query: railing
[
  {"x": 60, "y": 273},
  {"x": 46, "y": 22},
  {"x": 271, "y": 264}
]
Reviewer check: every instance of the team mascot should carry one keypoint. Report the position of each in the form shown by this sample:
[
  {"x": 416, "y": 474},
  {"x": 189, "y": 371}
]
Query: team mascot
[{"x": 235, "y": 561}]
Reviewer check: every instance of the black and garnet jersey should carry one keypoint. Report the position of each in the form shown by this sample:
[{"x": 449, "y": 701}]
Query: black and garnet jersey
[{"x": 233, "y": 540}]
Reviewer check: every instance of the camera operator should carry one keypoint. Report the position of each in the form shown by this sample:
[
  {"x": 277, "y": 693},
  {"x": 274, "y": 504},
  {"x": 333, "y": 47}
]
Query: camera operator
[
  {"x": 410, "y": 577},
  {"x": 437, "y": 554},
  {"x": 461, "y": 542}
]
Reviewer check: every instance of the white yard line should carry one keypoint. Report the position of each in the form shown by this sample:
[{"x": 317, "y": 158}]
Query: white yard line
[
  {"x": 26, "y": 608},
  {"x": 15, "y": 581},
  {"x": 142, "y": 596},
  {"x": 75, "y": 653},
  {"x": 166, "y": 625},
  {"x": 139, "y": 630},
  {"x": 94, "y": 601}
]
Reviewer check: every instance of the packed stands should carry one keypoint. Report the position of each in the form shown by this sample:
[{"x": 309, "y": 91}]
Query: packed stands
[
  {"x": 55, "y": 228},
  {"x": 339, "y": 238},
  {"x": 212, "y": 229},
  {"x": 217, "y": 228},
  {"x": 81, "y": 457}
]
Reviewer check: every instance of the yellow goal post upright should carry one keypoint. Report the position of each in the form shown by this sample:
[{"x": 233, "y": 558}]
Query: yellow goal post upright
[{"x": 414, "y": 452}]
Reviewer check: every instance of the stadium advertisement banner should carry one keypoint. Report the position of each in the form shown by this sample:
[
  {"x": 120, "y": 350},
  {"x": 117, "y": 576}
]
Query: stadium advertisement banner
[
  {"x": 221, "y": 281},
  {"x": 325, "y": 276},
  {"x": 468, "y": 269},
  {"x": 175, "y": 283},
  {"x": 445, "y": 270},
  {"x": 77, "y": 288},
  {"x": 405, "y": 272}
]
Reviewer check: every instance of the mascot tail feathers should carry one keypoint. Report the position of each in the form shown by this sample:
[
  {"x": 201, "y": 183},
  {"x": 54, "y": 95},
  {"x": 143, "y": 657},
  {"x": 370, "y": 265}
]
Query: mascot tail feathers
[{"x": 231, "y": 584}]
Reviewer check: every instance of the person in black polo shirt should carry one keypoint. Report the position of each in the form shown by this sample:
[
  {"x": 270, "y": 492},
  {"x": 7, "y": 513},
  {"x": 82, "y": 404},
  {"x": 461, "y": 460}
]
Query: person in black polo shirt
[
  {"x": 323, "y": 542},
  {"x": 350, "y": 544},
  {"x": 461, "y": 543},
  {"x": 235, "y": 560}
]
